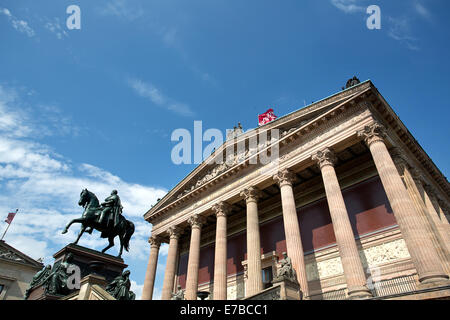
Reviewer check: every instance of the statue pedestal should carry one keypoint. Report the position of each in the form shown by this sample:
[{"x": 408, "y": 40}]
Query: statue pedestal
[
  {"x": 92, "y": 262},
  {"x": 96, "y": 268},
  {"x": 289, "y": 290},
  {"x": 282, "y": 289}
]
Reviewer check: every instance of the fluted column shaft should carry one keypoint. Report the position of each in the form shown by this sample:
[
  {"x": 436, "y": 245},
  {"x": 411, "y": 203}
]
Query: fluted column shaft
[
  {"x": 294, "y": 246},
  {"x": 196, "y": 222},
  {"x": 345, "y": 239},
  {"x": 254, "y": 281},
  {"x": 169, "y": 274},
  {"x": 220, "y": 256},
  {"x": 438, "y": 219},
  {"x": 149, "y": 282},
  {"x": 419, "y": 245},
  {"x": 412, "y": 180}
]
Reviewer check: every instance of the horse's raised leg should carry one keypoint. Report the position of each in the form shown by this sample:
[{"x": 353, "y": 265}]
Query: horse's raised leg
[
  {"x": 121, "y": 247},
  {"x": 111, "y": 244},
  {"x": 79, "y": 220},
  {"x": 80, "y": 234}
]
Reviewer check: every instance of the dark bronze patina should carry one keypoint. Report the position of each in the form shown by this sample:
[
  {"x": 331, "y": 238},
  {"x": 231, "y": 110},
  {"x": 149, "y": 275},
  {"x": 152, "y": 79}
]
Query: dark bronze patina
[
  {"x": 106, "y": 218},
  {"x": 119, "y": 288}
]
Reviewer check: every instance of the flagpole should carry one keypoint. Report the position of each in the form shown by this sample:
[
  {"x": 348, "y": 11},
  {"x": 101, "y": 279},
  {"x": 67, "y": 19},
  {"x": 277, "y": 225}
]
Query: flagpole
[{"x": 9, "y": 224}]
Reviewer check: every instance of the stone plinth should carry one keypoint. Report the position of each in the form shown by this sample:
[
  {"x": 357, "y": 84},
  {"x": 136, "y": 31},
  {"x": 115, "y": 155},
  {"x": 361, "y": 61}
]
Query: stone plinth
[
  {"x": 97, "y": 269},
  {"x": 92, "y": 262},
  {"x": 282, "y": 289}
]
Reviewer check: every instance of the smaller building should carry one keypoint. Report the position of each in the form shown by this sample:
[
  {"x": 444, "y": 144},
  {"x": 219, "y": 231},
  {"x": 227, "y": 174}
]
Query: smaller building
[{"x": 16, "y": 272}]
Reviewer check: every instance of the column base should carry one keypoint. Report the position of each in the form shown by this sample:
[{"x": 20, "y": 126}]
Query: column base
[
  {"x": 433, "y": 280},
  {"x": 433, "y": 277},
  {"x": 359, "y": 293}
]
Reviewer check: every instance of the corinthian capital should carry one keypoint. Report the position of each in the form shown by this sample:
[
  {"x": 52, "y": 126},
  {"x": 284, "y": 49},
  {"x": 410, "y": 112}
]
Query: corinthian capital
[
  {"x": 174, "y": 232},
  {"x": 251, "y": 194},
  {"x": 221, "y": 209},
  {"x": 372, "y": 133},
  {"x": 155, "y": 241},
  {"x": 196, "y": 221},
  {"x": 284, "y": 176},
  {"x": 324, "y": 157}
]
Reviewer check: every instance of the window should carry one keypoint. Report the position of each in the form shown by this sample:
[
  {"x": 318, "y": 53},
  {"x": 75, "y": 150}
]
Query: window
[
  {"x": 267, "y": 277},
  {"x": 1, "y": 288}
]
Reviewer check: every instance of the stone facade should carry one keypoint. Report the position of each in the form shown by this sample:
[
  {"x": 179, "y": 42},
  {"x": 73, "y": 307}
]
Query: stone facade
[
  {"x": 335, "y": 199},
  {"x": 16, "y": 272}
]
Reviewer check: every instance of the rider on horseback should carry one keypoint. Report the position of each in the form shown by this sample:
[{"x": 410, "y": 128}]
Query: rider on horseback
[{"x": 112, "y": 209}]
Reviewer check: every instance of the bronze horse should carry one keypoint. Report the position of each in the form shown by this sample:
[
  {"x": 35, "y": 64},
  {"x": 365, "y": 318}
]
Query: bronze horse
[{"x": 92, "y": 210}]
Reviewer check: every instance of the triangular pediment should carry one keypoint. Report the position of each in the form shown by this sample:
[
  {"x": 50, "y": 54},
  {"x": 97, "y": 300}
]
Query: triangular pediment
[
  {"x": 11, "y": 254},
  {"x": 211, "y": 168}
]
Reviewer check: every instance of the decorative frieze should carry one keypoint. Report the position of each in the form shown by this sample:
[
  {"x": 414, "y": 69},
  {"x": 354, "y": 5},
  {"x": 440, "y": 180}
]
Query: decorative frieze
[
  {"x": 384, "y": 253},
  {"x": 373, "y": 256}
]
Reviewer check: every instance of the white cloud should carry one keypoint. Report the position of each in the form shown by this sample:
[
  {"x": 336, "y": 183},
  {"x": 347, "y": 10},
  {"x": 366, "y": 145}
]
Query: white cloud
[
  {"x": 54, "y": 26},
  {"x": 20, "y": 25},
  {"x": 137, "y": 289},
  {"x": 122, "y": 9},
  {"x": 149, "y": 91},
  {"x": 45, "y": 187},
  {"x": 421, "y": 10},
  {"x": 400, "y": 30},
  {"x": 348, "y": 6}
]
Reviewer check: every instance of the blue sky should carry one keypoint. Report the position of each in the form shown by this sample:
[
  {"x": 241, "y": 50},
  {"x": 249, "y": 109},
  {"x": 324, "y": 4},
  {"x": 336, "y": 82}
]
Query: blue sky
[{"x": 96, "y": 107}]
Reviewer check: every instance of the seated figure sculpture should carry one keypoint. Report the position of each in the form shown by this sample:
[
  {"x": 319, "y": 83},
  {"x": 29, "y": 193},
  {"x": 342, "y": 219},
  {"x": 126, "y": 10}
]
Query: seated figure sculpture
[
  {"x": 56, "y": 282},
  {"x": 179, "y": 295},
  {"x": 285, "y": 269},
  {"x": 119, "y": 288}
]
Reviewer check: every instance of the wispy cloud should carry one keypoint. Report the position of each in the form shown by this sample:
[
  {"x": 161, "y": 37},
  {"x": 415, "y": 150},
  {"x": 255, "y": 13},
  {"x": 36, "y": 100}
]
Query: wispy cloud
[
  {"x": 45, "y": 186},
  {"x": 54, "y": 26},
  {"x": 149, "y": 91},
  {"x": 400, "y": 30},
  {"x": 18, "y": 24},
  {"x": 348, "y": 6},
  {"x": 422, "y": 10},
  {"x": 122, "y": 9}
]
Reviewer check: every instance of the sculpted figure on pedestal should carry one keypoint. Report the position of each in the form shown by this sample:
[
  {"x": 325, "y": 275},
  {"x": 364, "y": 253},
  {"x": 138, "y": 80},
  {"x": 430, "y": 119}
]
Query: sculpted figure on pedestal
[
  {"x": 285, "y": 269},
  {"x": 38, "y": 279},
  {"x": 56, "y": 282},
  {"x": 119, "y": 288},
  {"x": 179, "y": 295}
]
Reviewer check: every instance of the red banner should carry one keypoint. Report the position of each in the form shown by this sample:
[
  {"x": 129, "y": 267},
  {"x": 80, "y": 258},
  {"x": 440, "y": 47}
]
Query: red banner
[
  {"x": 266, "y": 117},
  {"x": 10, "y": 218}
]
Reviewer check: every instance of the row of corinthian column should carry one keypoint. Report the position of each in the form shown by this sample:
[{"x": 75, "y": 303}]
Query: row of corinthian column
[{"x": 426, "y": 233}]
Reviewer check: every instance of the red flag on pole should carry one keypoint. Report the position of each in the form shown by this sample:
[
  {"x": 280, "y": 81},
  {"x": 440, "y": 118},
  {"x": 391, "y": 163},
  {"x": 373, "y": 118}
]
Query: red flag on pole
[
  {"x": 266, "y": 117},
  {"x": 10, "y": 218}
]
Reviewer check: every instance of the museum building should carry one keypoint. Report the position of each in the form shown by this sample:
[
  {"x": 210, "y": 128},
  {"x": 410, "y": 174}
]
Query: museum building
[{"x": 353, "y": 199}]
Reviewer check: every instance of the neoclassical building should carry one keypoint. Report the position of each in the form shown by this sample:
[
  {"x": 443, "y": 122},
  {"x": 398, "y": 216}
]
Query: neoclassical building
[{"x": 353, "y": 199}]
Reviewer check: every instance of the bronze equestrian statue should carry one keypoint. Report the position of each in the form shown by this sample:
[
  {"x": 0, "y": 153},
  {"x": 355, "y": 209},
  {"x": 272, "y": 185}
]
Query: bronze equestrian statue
[{"x": 106, "y": 218}]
